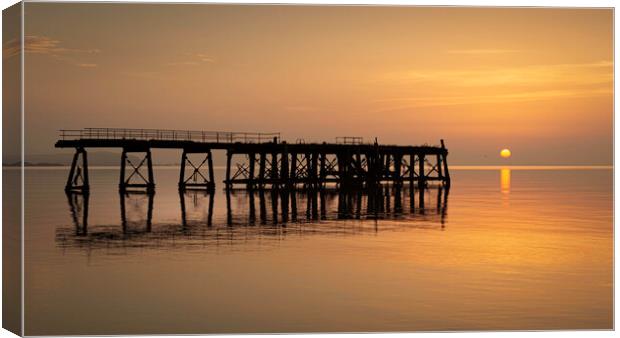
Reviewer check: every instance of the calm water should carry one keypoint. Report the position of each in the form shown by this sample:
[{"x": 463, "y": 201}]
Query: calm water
[{"x": 505, "y": 249}]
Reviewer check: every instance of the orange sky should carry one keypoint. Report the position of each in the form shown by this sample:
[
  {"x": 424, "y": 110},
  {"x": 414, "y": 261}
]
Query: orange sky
[{"x": 538, "y": 81}]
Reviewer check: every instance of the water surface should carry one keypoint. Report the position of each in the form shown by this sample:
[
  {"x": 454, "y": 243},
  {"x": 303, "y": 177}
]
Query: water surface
[{"x": 504, "y": 250}]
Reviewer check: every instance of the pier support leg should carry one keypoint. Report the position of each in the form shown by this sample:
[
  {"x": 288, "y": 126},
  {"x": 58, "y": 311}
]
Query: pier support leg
[
  {"x": 439, "y": 168},
  {"x": 252, "y": 159},
  {"x": 197, "y": 179},
  {"x": 398, "y": 178},
  {"x": 421, "y": 181},
  {"x": 121, "y": 184},
  {"x": 380, "y": 168},
  {"x": 293, "y": 173},
  {"x": 388, "y": 167},
  {"x": 211, "y": 173},
  {"x": 411, "y": 182},
  {"x": 313, "y": 171},
  {"x": 147, "y": 182},
  {"x": 341, "y": 171},
  {"x": 358, "y": 165},
  {"x": 227, "y": 182},
  {"x": 284, "y": 172},
  {"x": 182, "y": 172},
  {"x": 308, "y": 178},
  {"x": 261, "y": 170},
  {"x": 372, "y": 159},
  {"x": 149, "y": 165},
  {"x": 411, "y": 170},
  {"x": 274, "y": 172},
  {"x": 421, "y": 173},
  {"x": 78, "y": 174},
  {"x": 446, "y": 172},
  {"x": 322, "y": 171}
]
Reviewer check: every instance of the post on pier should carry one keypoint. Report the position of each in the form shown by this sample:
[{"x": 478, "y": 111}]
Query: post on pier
[
  {"x": 446, "y": 172},
  {"x": 182, "y": 171},
  {"x": 149, "y": 160},
  {"x": 322, "y": 170},
  {"x": 228, "y": 182},
  {"x": 78, "y": 174}
]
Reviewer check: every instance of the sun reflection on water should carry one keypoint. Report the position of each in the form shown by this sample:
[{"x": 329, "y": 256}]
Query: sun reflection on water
[{"x": 505, "y": 181}]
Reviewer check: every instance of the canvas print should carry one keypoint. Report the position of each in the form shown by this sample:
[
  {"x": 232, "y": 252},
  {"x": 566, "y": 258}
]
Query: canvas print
[{"x": 228, "y": 168}]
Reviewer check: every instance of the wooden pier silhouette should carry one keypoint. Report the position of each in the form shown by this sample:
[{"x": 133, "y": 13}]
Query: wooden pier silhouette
[{"x": 257, "y": 160}]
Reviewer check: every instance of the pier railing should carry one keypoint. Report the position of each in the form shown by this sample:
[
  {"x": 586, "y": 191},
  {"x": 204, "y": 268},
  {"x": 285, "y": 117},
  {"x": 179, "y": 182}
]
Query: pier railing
[
  {"x": 349, "y": 140},
  {"x": 167, "y": 135}
]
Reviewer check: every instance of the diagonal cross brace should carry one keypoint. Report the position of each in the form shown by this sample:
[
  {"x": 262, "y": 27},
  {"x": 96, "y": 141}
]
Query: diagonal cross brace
[
  {"x": 136, "y": 170},
  {"x": 196, "y": 170}
]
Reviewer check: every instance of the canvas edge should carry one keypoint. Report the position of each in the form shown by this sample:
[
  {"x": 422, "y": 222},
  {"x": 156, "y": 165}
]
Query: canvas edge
[{"x": 12, "y": 188}]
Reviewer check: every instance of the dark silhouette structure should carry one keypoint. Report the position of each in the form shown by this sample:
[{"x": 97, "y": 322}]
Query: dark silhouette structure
[{"x": 258, "y": 160}]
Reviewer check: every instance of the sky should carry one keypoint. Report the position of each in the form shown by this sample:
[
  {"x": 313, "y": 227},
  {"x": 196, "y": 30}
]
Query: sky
[{"x": 538, "y": 81}]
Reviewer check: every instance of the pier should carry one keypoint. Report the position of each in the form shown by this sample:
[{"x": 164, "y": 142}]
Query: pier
[{"x": 257, "y": 161}]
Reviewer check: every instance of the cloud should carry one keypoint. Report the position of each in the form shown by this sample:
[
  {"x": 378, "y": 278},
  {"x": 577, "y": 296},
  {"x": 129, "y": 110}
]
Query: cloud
[
  {"x": 204, "y": 57},
  {"x": 582, "y": 74},
  {"x": 193, "y": 59},
  {"x": 147, "y": 74},
  {"x": 483, "y": 51},
  {"x": 41, "y": 45},
  {"x": 302, "y": 108},
  {"x": 414, "y": 102},
  {"x": 44, "y": 45},
  {"x": 496, "y": 85}
]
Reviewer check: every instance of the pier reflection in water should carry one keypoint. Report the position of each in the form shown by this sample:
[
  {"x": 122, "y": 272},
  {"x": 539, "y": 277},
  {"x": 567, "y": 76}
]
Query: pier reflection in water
[{"x": 256, "y": 213}]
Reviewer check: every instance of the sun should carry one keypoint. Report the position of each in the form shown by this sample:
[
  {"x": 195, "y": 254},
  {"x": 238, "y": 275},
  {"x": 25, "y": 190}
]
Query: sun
[{"x": 505, "y": 153}]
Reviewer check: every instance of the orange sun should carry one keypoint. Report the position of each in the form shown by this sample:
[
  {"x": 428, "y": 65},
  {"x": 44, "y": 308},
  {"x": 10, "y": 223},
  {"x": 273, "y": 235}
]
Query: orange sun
[{"x": 505, "y": 153}]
